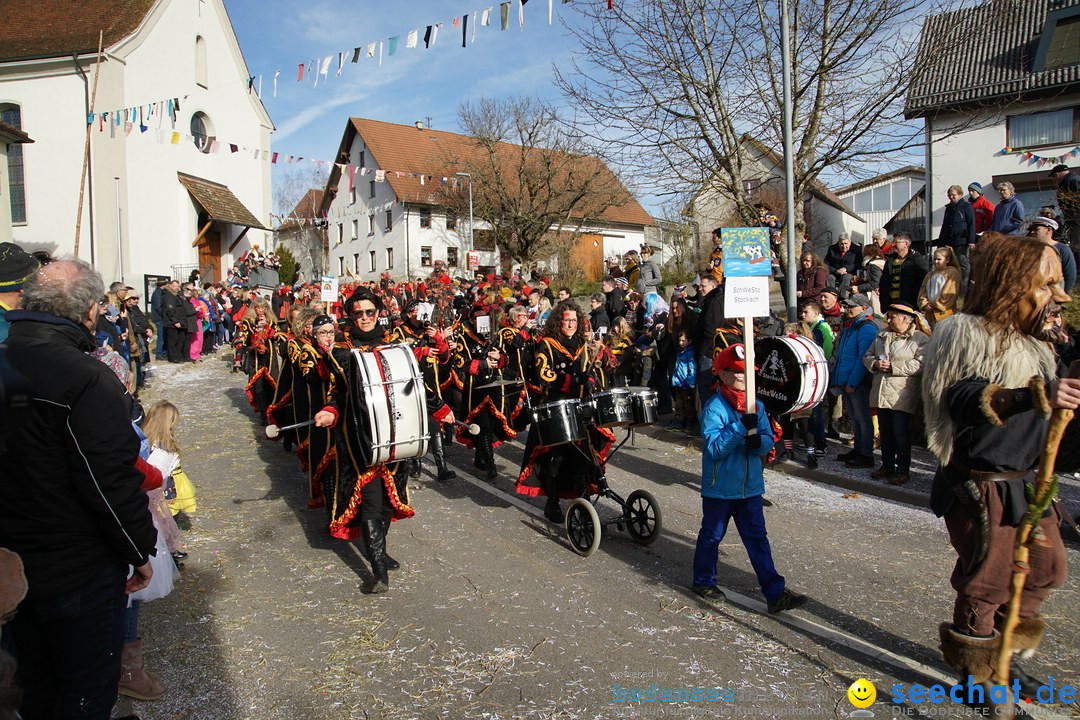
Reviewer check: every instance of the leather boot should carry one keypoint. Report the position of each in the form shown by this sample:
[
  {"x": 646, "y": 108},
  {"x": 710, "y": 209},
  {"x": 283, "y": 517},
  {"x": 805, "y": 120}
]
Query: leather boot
[
  {"x": 375, "y": 539},
  {"x": 487, "y": 455},
  {"x": 135, "y": 681},
  {"x": 445, "y": 474},
  {"x": 391, "y": 563}
]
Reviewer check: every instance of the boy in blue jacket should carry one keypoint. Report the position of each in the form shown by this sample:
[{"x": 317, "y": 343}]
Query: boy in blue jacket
[{"x": 734, "y": 446}]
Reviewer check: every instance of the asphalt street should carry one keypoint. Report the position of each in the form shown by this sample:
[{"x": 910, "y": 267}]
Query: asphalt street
[{"x": 494, "y": 616}]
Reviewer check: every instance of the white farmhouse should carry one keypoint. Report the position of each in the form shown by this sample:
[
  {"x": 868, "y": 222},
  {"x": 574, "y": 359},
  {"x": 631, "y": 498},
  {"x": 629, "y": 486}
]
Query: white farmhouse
[
  {"x": 1000, "y": 99},
  {"x": 164, "y": 190},
  {"x": 384, "y": 210},
  {"x": 825, "y": 215}
]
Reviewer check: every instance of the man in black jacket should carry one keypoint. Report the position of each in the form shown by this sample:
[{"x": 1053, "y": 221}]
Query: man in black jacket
[
  {"x": 175, "y": 315},
  {"x": 1068, "y": 199},
  {"x": 844, "y": 261},
  {"x": 903, "y": 275},
  {"x": 958, "y": 231},
  {"x": 70, "y": 501},
  {"x": 710, "y": 318}
]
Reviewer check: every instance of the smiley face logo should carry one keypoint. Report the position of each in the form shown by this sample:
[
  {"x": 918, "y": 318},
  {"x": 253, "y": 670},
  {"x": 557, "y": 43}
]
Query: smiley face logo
[{"x": 862, "y": 693}]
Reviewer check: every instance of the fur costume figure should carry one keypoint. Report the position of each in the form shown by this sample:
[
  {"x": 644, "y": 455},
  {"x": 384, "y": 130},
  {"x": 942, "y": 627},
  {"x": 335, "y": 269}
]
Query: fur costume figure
[{"x": 989, "y": 384}]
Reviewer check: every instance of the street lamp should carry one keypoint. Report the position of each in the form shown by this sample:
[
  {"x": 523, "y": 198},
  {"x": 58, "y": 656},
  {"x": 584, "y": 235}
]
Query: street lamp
[{"x": 472, "y": 246}]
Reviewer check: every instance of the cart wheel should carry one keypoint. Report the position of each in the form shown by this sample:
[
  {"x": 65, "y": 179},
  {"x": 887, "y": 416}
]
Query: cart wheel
[
  {"x": 642, "y": 517},
  {"x": 582, "y": 527}
]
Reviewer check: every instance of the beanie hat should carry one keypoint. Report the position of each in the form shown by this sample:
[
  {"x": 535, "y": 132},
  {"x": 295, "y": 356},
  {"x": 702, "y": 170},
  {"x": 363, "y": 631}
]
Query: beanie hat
[
  {"x": 16, "y": 267},
  {"x": 976, "y": 187}
]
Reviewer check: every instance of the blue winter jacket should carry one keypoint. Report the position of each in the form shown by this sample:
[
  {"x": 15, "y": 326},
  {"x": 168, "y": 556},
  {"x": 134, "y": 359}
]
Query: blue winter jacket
[
  {"x": 728, "y": 470},
  {"x": 1008, "y": 216},
  {"x": 685, "y": 373},
  {"x": 855, "y": 340}
]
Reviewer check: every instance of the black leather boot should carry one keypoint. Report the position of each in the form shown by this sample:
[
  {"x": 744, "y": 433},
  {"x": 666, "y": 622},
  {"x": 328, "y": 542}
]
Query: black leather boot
[
  {"x": 487, "y": 456},
  {"x": 375, "y": 539},
  {"x": 445, "y": 474},
  {"x": 391, "y": 563}
]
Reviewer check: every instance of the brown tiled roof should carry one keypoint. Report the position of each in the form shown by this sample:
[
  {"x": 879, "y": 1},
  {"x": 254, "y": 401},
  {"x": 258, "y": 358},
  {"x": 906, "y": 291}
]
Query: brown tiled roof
[
  {"x": 306, "y": 209},
  {"x": 219, "y": 202},
  {"x": 14, "y": 134},
  {"x": 47, "y": 28},
  {"x": 405, "y": 152},
  {"x": 986, "y": 53},
  {"x": 817, "y": 189}
]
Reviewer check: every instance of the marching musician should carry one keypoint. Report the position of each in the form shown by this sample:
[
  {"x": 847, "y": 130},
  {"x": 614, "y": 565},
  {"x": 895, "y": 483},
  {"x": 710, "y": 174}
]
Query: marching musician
[
  {"x": 518, "y": 343},
  {"x": 565, "y": 369},
  {"x": 433, "y": 355},
  {"x": 478, "y": 361},
  {"x": 301, "y": 391},
  {"x": 258, "y": 330},
  {"x": 360, "y": 500}
]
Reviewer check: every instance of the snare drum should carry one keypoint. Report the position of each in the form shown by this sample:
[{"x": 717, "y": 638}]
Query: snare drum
[
  {"x": 559, "y": 422},
  {"x": 643, "y": 406},
  {"x": 613, "y": 408},
  {"x": 388, "y": 393},
  {"x": 792, "y": 375}
]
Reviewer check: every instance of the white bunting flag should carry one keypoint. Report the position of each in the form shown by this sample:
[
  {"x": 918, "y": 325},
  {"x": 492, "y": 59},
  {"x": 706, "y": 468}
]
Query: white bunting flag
[{"x": 410, "y": 39}]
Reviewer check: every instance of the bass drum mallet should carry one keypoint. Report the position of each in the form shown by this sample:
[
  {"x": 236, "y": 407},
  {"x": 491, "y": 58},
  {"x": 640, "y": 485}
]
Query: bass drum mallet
[{"x": 272, "y": 431}]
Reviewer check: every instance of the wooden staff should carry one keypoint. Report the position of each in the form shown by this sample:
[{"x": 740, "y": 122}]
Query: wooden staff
[
  {"x": 86, "y": 146},
  {"x": 1045, "y": 489}
]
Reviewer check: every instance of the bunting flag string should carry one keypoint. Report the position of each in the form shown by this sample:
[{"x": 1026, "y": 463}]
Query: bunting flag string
[
  {"x": 1041, "y": 160},
  {"x": 354, "y": 173},
  {"x": 319, "y": 66}
]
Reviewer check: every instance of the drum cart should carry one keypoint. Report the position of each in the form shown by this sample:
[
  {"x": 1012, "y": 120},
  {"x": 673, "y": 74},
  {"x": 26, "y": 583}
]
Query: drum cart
[{"x": 638, "y": 513}]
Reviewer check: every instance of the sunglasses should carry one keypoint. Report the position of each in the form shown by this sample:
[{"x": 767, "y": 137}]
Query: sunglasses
[{"x": 365, "y": 313}]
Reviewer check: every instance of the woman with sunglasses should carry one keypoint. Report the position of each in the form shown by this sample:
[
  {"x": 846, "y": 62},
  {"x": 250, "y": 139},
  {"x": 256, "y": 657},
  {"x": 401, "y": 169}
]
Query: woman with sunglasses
[{"x": 361, "y": 501}]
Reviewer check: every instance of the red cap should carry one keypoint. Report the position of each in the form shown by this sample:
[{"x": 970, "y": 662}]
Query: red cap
[{"x": 732, "y": 358}]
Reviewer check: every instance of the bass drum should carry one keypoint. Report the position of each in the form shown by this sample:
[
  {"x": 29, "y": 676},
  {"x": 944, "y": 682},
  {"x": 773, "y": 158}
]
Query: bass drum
[
  {"x": 559, "y": 422},
  {"x": 388, "y": 393},
  {"x": 792, "y": 374}
]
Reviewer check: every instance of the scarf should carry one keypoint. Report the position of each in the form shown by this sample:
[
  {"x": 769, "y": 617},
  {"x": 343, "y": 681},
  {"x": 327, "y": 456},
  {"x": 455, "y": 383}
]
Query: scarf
[{"x": 735, "y": 398}]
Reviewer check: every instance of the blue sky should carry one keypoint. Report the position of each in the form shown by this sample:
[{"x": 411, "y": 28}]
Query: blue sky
[{"x": 411, "y": 85}]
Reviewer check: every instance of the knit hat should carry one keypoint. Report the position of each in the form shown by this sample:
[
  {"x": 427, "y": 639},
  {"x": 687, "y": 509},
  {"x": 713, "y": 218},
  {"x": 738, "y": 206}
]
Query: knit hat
[
  {"x": 16, "y": 267},
  {"x": 622, "y": 282},
  {"x": 976, "y": 187}
]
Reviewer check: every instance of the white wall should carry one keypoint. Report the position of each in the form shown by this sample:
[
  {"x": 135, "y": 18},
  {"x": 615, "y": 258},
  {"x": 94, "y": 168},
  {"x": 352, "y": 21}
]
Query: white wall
[
  {"x": 158, "y": 220},
  {"x": 974, "y": 155}
]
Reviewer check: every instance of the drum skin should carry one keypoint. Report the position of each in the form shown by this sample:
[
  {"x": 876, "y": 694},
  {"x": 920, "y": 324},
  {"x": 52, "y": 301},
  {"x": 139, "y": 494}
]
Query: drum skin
[
  {"x": 559, "y": 422},
  {"x": 388, "y": 392},
  {"x": 792, "y": 374}
]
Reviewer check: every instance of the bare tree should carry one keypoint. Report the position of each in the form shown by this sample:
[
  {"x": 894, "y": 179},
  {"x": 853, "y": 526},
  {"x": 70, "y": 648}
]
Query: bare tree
[
  {"x": 533, "y": 180},
  {"x": 685, "y": 84},
  {"x": 299, "y": 227}
]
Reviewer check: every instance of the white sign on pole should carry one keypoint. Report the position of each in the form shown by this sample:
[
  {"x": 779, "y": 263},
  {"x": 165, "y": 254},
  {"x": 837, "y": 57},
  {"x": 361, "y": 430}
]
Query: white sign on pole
[
  {"x": 328, "y": 289},
  {"x": 746, "y": 297}
]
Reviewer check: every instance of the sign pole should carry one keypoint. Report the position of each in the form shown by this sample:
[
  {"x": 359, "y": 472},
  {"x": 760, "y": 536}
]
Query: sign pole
[{"x": 751, "y": 377}]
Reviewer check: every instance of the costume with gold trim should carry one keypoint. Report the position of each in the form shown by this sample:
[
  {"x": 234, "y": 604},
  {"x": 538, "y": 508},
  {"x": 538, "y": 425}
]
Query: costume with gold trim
[{"x": 561, "y": 365}]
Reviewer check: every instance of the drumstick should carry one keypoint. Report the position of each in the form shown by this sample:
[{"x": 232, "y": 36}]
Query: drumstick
[{"x": 272, "y": 431}]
